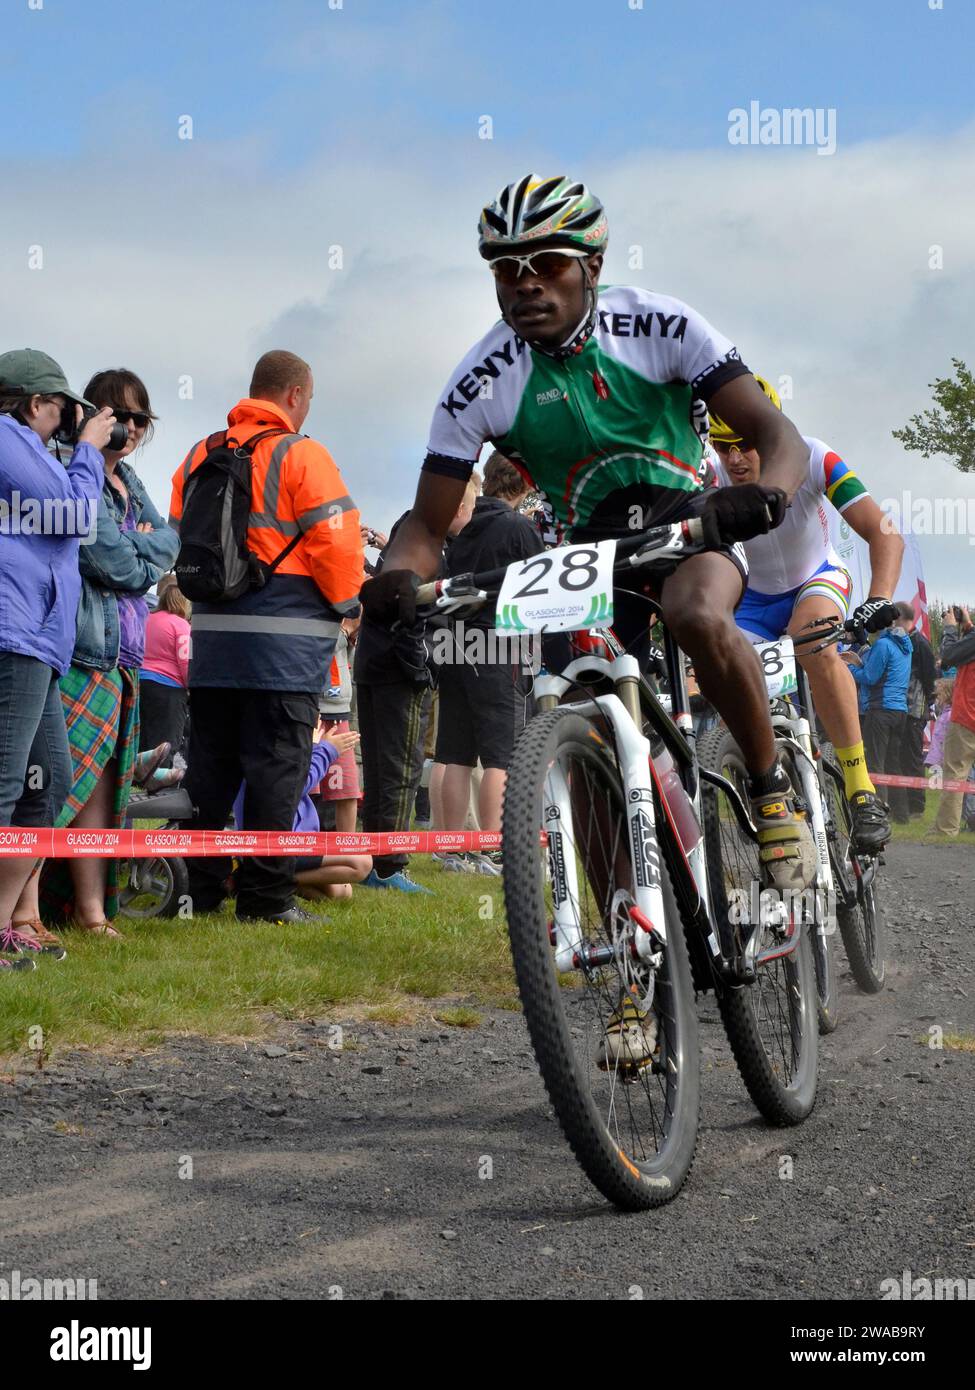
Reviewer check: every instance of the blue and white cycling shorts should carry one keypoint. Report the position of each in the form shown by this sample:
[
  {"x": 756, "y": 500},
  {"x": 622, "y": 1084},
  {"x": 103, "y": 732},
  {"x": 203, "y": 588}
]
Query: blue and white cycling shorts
[{"x": 768, "y": 615}]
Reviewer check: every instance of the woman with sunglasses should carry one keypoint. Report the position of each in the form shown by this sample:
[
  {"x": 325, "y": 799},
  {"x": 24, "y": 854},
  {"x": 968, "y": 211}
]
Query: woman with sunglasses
[{"x": 131, "y": 549}]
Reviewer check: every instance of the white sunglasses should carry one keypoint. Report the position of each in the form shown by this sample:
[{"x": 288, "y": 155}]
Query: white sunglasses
[{"x": 543, "y": 264}]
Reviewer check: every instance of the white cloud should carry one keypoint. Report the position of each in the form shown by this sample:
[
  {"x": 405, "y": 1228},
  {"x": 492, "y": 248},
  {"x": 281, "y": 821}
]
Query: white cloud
[{"x": 817, "y": 267}]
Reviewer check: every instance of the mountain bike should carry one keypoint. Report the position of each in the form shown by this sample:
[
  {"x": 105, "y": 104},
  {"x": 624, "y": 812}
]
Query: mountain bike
[{"x": 611, "y": 859}]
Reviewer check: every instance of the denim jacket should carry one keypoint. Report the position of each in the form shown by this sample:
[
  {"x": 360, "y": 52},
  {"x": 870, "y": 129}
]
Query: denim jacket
[{"x": 118, "y": 562}]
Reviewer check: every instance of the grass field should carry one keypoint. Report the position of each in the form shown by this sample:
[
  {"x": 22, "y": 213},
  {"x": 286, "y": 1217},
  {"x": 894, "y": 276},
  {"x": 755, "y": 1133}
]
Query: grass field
[
  {"x": 380, "y": 955},
  {"x": 383, "y": 952},
  {"x": 924, "y": 825}
]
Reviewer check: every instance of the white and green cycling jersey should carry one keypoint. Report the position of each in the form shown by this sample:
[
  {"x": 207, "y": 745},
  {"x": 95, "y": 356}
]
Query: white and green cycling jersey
[{"x": 624, "y": 414}]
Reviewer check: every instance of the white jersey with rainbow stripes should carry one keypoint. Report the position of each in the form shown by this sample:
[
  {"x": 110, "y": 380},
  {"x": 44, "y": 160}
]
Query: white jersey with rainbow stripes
[{"x": 788, "y": 556}]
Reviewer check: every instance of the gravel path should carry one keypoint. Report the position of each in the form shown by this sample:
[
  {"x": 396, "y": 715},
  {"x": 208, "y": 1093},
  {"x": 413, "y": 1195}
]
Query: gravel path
[{"x": 424, "y": 1162}]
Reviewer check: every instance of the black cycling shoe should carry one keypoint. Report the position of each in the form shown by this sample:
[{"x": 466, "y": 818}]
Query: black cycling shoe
[
  {"x": 871, "y": 825},
  {"x": 292, "y": 916}
]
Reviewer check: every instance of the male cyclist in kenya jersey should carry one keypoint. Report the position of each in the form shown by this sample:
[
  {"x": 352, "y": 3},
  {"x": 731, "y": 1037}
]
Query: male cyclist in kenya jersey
[
  {"x": 795, "y": 577},
  {"x": 600, "y": 397}
]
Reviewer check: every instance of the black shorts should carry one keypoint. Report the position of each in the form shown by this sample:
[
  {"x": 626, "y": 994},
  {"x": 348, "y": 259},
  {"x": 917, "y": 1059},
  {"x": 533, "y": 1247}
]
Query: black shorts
[
  {"x": 633, "y": 606},
  {"x": 483, "y": 709},
  {"x": 306, "y": 864}
]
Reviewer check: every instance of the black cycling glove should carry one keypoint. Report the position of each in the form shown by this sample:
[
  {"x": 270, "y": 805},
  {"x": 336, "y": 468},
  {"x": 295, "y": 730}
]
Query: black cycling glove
[
  {"x": 741, "y": 512},
  {"x": 390, "y": 598},
  {"x": 874, "y": 614}
]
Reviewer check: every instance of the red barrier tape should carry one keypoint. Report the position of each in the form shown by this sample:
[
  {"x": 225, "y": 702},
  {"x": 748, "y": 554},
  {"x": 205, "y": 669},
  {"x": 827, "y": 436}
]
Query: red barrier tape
[
  {"x": 885, "y": 779},
  {"x": 273, "y": 844},
  {"x": 147, "y": 844}
]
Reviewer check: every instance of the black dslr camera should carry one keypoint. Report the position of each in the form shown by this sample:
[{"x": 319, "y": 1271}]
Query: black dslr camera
[{"x": 69, "y": 431}]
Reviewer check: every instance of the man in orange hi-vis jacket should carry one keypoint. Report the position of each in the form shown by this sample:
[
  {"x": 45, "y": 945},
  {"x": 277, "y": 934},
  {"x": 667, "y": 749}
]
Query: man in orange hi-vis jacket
[{"x": 258, "y": 662}]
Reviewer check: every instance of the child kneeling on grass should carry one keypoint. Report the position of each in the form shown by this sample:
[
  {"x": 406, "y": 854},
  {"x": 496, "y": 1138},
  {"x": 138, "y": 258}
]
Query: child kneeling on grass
[{"x": 332, "y": 875}]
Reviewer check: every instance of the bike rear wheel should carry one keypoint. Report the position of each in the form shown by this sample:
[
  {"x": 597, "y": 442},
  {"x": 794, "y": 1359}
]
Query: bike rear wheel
[
  {"x": 632, "y": 1129},
  {"x": 771, "y": 1023},
  {"x": 864, "y": 925}
]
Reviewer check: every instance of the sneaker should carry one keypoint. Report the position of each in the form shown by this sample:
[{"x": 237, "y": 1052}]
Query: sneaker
[
  {"x": 630, "y": 1039},
  {"x": 456, "y": 863},
  {"x": 871, "y": 827},
  {"x": 18, "y": 963},
  {"x": 786, "y": 849},
  {"x": 18, "y": 942},
  {"x": 488, "y": 862},
  {"x": 292, "y": 916},
  {"x": 400, "y": 881}
]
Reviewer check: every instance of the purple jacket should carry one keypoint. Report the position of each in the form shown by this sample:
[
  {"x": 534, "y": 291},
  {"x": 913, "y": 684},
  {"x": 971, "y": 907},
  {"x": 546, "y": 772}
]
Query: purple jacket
[
  {"x": 936, "y": 753},
  {"x": 323, "y": 755},
  {"x": 46, "y": 510}
]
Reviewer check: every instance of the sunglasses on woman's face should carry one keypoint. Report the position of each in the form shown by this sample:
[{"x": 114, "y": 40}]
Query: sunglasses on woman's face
[
  {"x": 544, "y": 265},
  {"x": 137, "y": 417}
]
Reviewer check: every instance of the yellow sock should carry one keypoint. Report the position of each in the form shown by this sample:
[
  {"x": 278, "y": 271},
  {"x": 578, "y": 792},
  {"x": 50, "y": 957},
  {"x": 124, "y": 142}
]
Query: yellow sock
[{"x": 853, "y": 761}]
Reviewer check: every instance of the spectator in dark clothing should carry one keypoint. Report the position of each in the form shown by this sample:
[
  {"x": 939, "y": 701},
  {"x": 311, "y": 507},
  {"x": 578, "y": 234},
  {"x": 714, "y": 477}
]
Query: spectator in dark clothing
[
  {"x": 483, "y": 686},
  {"x": 394, "y": 682},
  {"x": 920, "y": 696},
  {"x": 886, "y": 674}
]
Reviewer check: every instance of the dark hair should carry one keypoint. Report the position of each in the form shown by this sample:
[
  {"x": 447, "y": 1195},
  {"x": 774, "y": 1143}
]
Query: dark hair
[
  {"x": 905, "y": 611},
  {"x": 109, "y": 388},
  {"x": 276, "y": 372},
  {"x": 502, "y": 479}
]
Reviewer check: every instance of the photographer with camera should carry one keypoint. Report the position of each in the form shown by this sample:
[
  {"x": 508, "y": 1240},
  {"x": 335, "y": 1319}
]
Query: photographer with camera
[
  {"x": 132, "y": 547},
  {"x": 39, "y": 587}
]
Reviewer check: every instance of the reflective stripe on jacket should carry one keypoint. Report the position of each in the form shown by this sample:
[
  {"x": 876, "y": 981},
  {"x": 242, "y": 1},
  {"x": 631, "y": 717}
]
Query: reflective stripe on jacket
[{"x": 280, "y": 637}]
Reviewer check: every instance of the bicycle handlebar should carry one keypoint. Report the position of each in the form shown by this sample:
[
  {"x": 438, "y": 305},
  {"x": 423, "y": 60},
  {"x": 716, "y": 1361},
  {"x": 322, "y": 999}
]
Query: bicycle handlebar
[
  {"x": 828, "y": 632},
  {"x": 658, "y": 543}
]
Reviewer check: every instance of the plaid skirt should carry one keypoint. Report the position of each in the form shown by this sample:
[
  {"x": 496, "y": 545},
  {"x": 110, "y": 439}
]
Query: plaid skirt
[{"x": 101, "y": 714}]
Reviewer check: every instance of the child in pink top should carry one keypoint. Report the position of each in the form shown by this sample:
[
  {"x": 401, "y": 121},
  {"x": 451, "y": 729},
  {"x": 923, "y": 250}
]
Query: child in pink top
[
  {"x": 168, "y": 647},
  {"x": 943, "y": 690},
  {"x": 164, "y": 678}
]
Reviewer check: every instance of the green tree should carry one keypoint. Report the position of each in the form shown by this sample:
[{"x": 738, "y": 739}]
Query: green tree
[{"x": 949, "y": 426}]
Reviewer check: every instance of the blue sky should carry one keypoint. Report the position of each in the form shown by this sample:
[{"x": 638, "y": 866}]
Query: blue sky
[
  {"x": 595, "y": 75},
  {"x": 358, "y": 127}
]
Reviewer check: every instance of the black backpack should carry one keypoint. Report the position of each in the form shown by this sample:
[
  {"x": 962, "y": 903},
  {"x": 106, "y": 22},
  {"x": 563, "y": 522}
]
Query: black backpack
[{"x": 214, "y": 563}]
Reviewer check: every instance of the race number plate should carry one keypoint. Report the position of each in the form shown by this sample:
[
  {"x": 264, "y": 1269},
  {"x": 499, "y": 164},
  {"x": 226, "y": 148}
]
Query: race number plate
[
  {"x": 779, "y": 665},
  {"x": 561, "y": 591}
]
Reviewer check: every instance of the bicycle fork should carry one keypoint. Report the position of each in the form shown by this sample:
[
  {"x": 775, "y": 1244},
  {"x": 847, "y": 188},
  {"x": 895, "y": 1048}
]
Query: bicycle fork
[
  {"x": 799, "y": 735},
  {"x": 645, "y": 910}
]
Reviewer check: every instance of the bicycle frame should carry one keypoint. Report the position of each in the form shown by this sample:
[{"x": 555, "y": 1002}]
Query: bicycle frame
[
  {"x": 648, "y": 815},
  {"x": 624, "y": 711},
  {"x": 833, "y": 875}
]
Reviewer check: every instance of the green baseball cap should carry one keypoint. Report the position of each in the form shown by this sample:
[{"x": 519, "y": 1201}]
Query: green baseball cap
[{"x": 36, "y": 374}]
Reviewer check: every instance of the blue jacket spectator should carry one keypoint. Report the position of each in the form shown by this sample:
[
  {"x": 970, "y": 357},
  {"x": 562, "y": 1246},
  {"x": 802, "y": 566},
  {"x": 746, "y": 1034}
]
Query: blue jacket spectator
[
  {"x": 886, "y": 671},
  {"x": 45, "y": 512}
]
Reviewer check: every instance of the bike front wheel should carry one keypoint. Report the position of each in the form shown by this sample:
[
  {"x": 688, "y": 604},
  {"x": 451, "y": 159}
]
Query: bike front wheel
[
  {"x": 632, "y": 1127},
  {"x": 863, "y": 926}
]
